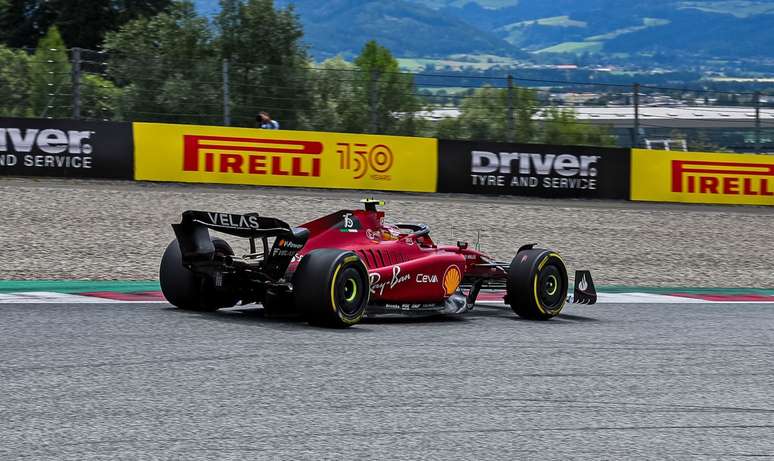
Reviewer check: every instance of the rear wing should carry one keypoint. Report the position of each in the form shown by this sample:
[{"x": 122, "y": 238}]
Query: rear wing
[{"x": 196, "y": 245}]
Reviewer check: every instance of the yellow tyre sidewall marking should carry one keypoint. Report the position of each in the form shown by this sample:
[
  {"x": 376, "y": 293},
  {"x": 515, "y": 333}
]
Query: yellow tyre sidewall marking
[
  {"x": 537, "y": 299},
  {"x": 535, "y": 283},
  {"x": 564, "y": 298},
  {"x": 333, "y": 287}
]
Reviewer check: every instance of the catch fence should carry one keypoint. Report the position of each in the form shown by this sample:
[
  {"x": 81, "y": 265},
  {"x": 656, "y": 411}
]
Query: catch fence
[{"x": 499, "y": 105}]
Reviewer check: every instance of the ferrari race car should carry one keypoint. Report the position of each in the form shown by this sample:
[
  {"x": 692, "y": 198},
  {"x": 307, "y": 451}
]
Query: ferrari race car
[{"x": 349, "y": 264}]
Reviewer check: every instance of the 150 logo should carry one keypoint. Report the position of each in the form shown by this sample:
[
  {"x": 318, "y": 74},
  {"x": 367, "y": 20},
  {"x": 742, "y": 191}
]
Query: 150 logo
[{"x": 362, "y": 159}]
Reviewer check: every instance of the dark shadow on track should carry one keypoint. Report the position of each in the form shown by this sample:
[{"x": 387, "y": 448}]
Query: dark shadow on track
[
  {"x": 489, "y": 310},
  {"x": 425, "y": 320},
  {"x": 254, "y": 314},
  {"x": 246, "y": 316},
  {"x": 577, "y": 318}
]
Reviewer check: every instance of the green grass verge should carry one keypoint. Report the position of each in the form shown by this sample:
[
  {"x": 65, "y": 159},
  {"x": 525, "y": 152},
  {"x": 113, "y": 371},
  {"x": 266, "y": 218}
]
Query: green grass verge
[{"x": 77, "y": 286}]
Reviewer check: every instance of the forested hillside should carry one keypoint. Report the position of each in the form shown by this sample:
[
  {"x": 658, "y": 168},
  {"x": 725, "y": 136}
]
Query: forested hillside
[{"x": 437, "y": 28}]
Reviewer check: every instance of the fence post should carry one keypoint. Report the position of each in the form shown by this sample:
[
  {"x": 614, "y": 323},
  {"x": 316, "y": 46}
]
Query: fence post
[
  {"x": 757, "y": 101},
  {"x": 75, "y": 75},
  {"x": 636, "y": 99},
  {"x": 509, "y": 113},
  {"x": 226, "y": 98},
  {"x": 373, "y": 100}
]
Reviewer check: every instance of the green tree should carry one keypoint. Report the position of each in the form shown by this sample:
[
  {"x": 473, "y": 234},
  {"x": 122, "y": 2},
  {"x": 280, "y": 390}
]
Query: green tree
[
  {"x": 83, "y": 23},
  {"x": 100, "y": 98},
  {"x": 333, "y": 105},
  {"x": 561, "y": 126},
  {"x": 484, "y": 115},
  {"x": 228, "y": 22},
  {"x": 165, "y": 66},
  {"x": 448, "y": 128},
  {"x": 389, "y": 95},
  {"x": 269, "y": 64},
  {"x": 370, "y": 96},
  {"x": 14, "y": 83},
  {"x": 50, "y": 77}
]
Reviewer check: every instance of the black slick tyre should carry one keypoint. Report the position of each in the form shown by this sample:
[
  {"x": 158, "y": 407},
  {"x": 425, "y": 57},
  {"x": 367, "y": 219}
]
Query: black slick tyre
[
  {"x": 537, "y": 284},
  {"x": 187, "y": 290},
  {"x": 330, "y": 287}
]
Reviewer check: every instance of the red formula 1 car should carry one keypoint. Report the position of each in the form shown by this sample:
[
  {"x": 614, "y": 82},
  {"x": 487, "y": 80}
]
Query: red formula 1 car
[{"x": 349, "y": 264}]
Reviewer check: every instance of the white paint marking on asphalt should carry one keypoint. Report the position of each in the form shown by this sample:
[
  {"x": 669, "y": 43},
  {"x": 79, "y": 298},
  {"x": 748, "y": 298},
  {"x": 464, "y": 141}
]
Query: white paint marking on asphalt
[
  {"x": 650, "y": 298},
  {"x": 47, "y": 297},
  {"x": 645, "y": 298}
]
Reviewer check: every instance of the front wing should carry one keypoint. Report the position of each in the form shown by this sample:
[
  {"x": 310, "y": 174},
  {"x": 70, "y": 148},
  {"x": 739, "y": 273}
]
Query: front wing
[{"x": 464, "y": 300}]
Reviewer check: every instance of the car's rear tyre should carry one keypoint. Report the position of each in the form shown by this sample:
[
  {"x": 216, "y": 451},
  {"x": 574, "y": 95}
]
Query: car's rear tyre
[
  {"x": 330, "y": 287},
  {"x": 537, "y": 284},
  {"x": 187, "y": 290}
]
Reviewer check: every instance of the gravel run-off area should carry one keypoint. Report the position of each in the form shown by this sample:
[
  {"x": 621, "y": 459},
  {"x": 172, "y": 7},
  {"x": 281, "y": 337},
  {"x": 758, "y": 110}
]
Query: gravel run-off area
[{"x": 117, "y": 230}]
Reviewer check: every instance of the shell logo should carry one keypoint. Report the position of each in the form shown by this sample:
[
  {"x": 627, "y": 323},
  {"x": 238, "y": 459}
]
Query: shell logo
[{"x": 451, "y": 280}]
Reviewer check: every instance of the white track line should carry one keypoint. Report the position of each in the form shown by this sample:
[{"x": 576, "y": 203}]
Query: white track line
[
  {"x": 46, "y": 297},
  {"x": 651, "y": 298}
]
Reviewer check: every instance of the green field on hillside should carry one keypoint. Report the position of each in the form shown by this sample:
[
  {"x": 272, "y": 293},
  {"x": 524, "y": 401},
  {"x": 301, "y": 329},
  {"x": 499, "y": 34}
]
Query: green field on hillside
[
  {"x": 554, "y": 21},
  {"x": 574, "y": 47},
  {"x": 738, "y": 8},
  {"x": 646, "y": 23},
  {"x": 458, "y": 62}
]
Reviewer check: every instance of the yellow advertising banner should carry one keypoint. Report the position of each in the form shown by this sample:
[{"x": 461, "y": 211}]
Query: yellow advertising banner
[
  {"x": 223, "y": 155},
  {"x": 699, "y": 177}
]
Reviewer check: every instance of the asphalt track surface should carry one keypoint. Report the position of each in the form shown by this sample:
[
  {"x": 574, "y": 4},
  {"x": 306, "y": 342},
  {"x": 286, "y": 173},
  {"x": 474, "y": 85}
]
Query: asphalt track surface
[{"x": 146, "y": 381}]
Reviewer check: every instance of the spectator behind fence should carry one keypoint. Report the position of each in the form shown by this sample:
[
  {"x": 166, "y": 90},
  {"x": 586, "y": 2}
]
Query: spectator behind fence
[{"x": 265, "y": 121}]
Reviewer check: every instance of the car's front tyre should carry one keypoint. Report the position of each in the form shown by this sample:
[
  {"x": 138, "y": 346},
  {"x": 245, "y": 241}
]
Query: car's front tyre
[{"x": 537, "y": 284}]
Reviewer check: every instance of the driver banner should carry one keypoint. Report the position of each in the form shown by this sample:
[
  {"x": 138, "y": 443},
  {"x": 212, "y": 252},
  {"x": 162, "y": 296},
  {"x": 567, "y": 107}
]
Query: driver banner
[{"x": 478, "y": 167}]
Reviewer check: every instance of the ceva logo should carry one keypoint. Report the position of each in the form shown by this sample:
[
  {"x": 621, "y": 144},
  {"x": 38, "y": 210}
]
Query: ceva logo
[{"x": 276, "y": 157}]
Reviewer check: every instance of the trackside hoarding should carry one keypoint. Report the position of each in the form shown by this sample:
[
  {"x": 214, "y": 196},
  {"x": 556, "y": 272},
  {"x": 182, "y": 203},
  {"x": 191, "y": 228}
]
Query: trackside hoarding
[
  {"x": 222, "y": 155},
  {"x": 533, "y": 169},
  {"x": 699, "y": 177},
  {"x": 65, "y": 148}
]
